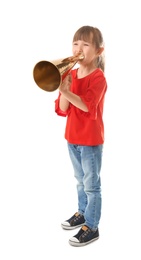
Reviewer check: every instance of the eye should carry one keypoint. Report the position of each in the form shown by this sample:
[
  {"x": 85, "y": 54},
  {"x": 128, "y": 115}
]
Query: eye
[{"x": 75, "y": 43}]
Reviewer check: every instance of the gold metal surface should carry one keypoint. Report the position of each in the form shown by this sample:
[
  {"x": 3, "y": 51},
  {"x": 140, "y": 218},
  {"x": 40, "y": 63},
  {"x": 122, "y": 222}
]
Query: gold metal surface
[{"x": 48, "y": 75}]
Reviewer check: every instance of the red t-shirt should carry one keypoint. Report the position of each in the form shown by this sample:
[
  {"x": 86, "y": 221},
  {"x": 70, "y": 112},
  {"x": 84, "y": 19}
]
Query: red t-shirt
[{"x": 85, "y": 128}]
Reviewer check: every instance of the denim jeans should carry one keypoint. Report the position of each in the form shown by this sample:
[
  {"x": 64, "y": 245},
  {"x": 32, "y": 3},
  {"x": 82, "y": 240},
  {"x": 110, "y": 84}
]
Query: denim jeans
[{"x": 86, "y": 161}]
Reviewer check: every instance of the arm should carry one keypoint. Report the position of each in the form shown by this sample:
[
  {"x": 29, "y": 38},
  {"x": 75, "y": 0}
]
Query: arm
[
  {"x": 63, "y": 103},
  {"x": 68, "y": 97}
]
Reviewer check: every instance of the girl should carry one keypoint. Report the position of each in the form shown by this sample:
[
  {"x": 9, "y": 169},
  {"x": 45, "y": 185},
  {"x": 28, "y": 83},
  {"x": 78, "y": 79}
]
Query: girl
[{"x": 81, "y": 100}]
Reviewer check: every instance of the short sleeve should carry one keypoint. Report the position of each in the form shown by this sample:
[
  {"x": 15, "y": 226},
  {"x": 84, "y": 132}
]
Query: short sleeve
[{"x": 94, "y": 95}]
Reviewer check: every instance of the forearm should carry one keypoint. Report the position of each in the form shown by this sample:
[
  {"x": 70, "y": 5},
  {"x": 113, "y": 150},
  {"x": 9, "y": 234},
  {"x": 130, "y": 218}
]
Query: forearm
[
  {"x": 69, "y": 97},
  {"x": 63, "y": 103}
]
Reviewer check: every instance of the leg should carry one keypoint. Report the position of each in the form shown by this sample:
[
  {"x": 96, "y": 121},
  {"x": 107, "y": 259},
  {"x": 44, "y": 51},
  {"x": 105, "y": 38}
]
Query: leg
[
  {"x": 91, "y": 164},
  {"x": 75, "y": 156}
]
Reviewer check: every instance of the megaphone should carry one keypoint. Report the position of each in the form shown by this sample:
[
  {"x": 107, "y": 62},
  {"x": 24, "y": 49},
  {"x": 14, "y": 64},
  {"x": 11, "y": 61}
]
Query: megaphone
[{"x": 48, "y": 75}]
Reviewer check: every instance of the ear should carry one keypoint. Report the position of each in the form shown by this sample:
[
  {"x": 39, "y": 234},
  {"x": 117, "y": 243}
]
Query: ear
[{"x": 100, "y": 51}]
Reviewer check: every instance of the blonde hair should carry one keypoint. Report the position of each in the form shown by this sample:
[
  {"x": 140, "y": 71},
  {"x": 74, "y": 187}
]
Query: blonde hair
[{"x": 88, "y": 33}]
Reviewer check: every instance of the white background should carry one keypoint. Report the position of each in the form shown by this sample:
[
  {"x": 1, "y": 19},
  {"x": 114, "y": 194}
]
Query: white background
[{"x": 37, "y": 187}]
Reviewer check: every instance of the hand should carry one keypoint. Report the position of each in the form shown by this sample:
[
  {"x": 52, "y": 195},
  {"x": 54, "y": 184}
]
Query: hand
[{"x": 66, "y": 84}]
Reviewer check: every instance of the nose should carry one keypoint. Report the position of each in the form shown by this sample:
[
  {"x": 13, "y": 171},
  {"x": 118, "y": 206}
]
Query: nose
[{"x": 79, "y": 50}]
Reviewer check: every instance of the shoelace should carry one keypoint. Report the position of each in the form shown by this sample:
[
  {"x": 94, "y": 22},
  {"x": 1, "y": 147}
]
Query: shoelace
[
  {"x": 86, "y": 232},
  {"x": 77, "y": 218}
]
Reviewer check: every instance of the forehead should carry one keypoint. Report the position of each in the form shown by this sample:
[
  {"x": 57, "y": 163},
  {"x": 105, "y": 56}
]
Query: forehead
[{"x": 83, "y": 36}]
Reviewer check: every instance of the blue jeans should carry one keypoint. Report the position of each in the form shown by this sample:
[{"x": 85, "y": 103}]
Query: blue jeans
[{"x": 86, "y": 161}]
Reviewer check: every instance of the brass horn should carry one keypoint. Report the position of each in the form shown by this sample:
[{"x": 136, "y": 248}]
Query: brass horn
[{"x": 48, "y": 75}]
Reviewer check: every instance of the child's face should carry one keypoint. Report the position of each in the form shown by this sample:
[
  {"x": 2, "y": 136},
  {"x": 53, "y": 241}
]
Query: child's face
[{"x": 88, "y": 49}]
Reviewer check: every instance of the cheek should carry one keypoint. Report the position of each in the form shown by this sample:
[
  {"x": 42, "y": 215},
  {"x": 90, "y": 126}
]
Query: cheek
[
  {"x": 74, "y": 48},
  {"x": 75, "y": 51}
]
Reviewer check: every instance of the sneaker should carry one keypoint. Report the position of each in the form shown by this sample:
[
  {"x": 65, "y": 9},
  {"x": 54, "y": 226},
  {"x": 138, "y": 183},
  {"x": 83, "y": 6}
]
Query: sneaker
[
  {"x": 85, "y": 236},
  {"x": 75, "y": 221}
]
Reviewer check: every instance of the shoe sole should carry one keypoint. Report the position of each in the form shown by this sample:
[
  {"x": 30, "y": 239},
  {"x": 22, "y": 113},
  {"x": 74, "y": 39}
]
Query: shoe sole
[
  {"x": 71, "y": 227},
  {"x": 77, "y": 244}
]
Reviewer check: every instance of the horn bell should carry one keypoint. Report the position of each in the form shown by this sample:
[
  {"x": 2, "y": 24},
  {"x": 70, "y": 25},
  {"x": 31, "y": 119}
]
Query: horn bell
[{"x": 47, "y": 76}]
